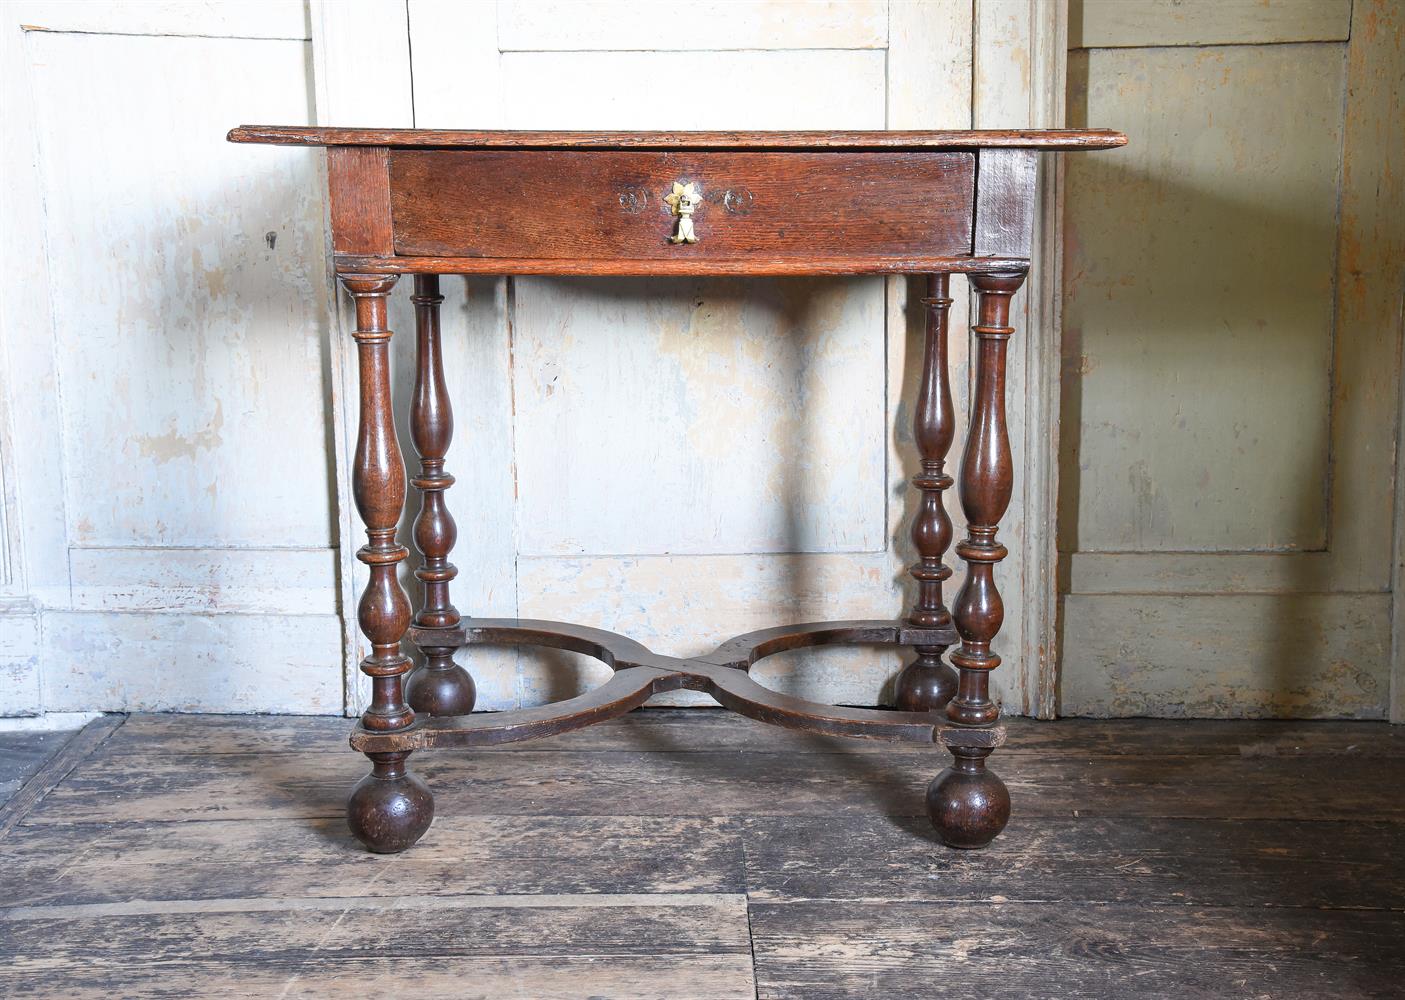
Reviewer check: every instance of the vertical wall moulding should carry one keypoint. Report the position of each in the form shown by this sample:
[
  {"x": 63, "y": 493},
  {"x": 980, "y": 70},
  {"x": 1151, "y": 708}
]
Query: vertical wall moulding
[{"x": 1020, "y": 57}]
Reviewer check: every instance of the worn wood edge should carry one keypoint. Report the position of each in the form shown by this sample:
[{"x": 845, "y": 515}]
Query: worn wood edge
[
  {"x": 736, "y": 691},
  {"x": 299, "y": 135},
  {"x": 625, "y": 691},
  {"x": 686, "y": 264},
  {"x": 745, "y": 651},
  {"x": 1007, "y": 188},
  {"x": 1382, "y": 60},
  {"x": 58, "y": 767},
  {"x": 358, "y": 200},
  {"x": 1395, "y": 701},
  {"x": 446, "y": 902},
  {"x": 740, "y": 651},
  {"x": 967, "y": 736},
  {"x": 641, "y": 674}
]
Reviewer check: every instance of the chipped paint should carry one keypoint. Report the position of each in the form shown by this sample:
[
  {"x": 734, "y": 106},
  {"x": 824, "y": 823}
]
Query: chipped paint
[
  {"x": 190, "y": 344},
  {"x": 172, "y": 445}
]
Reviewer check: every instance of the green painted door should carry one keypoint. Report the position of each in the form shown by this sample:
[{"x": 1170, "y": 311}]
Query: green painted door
[{"x": 1231, "y": 340}]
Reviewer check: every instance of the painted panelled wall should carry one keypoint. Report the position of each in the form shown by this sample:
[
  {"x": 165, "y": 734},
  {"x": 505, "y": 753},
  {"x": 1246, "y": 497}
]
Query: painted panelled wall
[
  {"x": 1232, "y": 330},
  {"x": 676, "y": 459},
  {"x": 169, "y": 503}
]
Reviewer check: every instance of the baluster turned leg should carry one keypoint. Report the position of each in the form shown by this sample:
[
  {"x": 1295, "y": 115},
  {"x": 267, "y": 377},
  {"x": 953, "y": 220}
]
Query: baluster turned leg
[
  {"x": 927, "y": 684},
  {"x": 441, "y": 686},
  {"x": 390, "y": 808},
  {"x": 968, "y": 804}
]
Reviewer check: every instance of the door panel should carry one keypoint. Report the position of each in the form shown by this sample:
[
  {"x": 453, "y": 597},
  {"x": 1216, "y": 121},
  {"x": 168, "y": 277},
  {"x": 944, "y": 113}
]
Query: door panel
[
  {"x": 163, "y": 322},
  {"x": 1231, "y": 334},
  {"x": 1200, "y": 313}
]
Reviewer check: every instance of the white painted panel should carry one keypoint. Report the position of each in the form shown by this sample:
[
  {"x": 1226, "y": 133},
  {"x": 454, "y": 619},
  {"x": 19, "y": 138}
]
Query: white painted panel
[
  {"x": 694, "y": 90},
  {"x": 704, "y": 416},
  {"x": 349, "y": 36},
  {"x": 192, "y": 663},
  {"x": 1258, "y": 216},
  {"x": 187, "y": 292},
  {"x": 623, "y": 25},
  {"x": 456, "y": 63},
  {"x": 213, "y": 18},
  {"x": 686, "y": 605},
  {"x": 20, "y": 662},
  {"x": 29, "y": 434},
  {"x": 266, "y": 581}
]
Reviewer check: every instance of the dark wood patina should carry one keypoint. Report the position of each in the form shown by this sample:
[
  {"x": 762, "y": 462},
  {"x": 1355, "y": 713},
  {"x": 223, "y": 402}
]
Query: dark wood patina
[{"x": 458, "y": 202}]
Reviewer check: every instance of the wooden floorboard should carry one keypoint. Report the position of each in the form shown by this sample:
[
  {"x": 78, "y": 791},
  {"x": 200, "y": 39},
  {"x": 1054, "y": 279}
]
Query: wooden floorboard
[
  {"x": 702, "y": 730},
  {"x": 1152, "y": 862},
  {"x": 65, "y": 756},
  {"x": 827, "y": 951},
  {"x": 22, "y": 753},
  {"x": 493, "y": 855},
  {"x": 687, "y": 946},
  {"x": 687, "y": 853},
  {"x": 180, "y": 787}
]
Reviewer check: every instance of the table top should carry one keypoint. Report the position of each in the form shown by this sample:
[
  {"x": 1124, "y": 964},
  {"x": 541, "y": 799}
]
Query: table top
[{"x": 1051, "y": 139}]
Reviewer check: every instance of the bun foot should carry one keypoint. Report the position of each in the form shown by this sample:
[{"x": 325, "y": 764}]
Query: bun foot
[
  {"x": 968, "y": 804},
  {"x": 436, "y": 690},
  {"x": 390, "y": 808},
  {"x": 925, "y": 685}
]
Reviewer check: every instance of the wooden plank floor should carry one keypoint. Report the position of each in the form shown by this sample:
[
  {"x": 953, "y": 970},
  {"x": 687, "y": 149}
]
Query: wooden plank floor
[
  {"x": 694, "y": 854},
  {"x": 23, "y": 753}
]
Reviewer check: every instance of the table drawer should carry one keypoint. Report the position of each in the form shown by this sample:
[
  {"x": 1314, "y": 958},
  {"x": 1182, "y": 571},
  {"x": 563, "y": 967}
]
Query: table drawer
[{"x": 595, "y": 205}]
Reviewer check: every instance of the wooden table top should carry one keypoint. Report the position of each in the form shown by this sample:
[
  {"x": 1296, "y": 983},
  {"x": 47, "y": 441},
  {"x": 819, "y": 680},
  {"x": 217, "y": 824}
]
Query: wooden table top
[{"x": 1051, "y": 139}]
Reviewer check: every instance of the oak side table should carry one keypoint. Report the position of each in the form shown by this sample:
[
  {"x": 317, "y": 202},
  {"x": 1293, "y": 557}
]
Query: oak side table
[{"x": 428, "y": 203}]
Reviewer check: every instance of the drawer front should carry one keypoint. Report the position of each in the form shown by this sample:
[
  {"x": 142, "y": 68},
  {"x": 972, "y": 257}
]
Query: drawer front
[{"x": 593, "y": 205}]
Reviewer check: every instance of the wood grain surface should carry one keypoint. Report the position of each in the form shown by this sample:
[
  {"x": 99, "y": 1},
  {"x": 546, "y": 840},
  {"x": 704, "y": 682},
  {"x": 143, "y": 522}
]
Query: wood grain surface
[
  {"x": 358, "y": 185},
  {"x": 691, "y": 853},
  {"x": 300, "y": 135},
  {"x": 587, "y": 205},
  {"x": 758, "y": 264}
]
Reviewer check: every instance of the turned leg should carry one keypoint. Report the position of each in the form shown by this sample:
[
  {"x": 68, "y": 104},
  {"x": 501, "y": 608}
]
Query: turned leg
[
  {"x": 927, "y": 684},
  {"x": 390, "y": 808},
  {"x": 440, "y": 687},
  {"x": 968, "y": 804}
]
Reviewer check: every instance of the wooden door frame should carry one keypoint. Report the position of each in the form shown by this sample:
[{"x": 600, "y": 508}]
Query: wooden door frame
[
  {"x": 1397, "y": 580},
  {"x": 1005, "y": 33}
]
